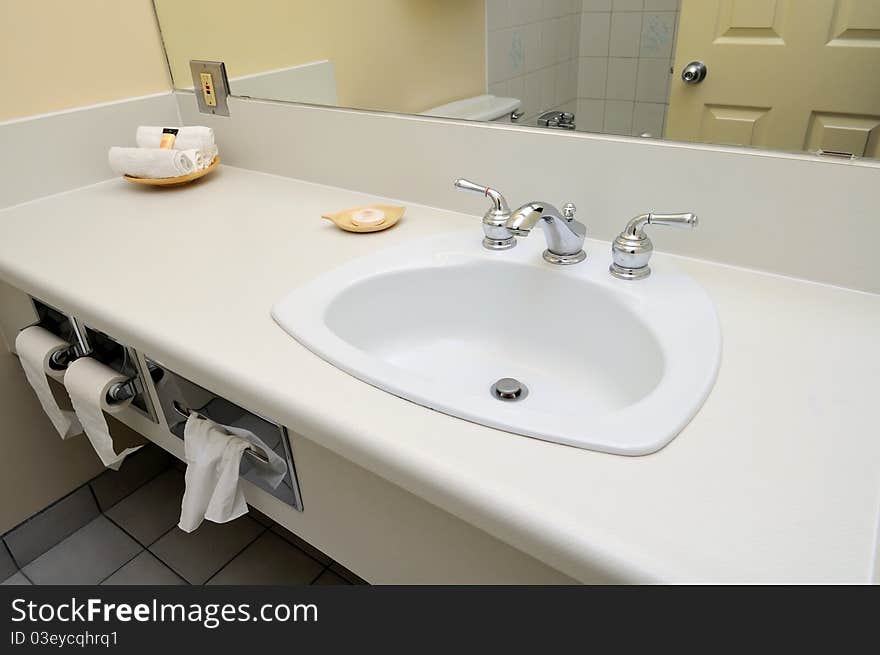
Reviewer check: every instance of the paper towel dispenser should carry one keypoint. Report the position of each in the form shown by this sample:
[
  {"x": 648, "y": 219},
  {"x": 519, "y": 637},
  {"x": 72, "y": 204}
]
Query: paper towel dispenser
[{"x": 178, "y": 397}]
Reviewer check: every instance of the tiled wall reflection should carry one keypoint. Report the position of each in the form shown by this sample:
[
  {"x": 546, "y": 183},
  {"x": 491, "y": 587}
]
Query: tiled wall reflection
[
  {"x": 626, "y": 50},
  {"x": 609, "y": 61},
  {"x": 533, "y": 53}
]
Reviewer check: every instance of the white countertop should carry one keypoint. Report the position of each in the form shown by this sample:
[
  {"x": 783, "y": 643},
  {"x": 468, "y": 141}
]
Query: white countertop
[{"x": 777, "y": 478}]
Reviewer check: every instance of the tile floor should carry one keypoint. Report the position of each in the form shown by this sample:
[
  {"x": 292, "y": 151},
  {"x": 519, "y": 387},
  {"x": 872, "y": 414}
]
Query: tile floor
[{"x": 133, "y": 539}]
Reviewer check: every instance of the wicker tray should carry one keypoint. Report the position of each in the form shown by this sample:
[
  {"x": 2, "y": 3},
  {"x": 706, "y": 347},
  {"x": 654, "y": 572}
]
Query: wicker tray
[{"x": 171, "y": 181}]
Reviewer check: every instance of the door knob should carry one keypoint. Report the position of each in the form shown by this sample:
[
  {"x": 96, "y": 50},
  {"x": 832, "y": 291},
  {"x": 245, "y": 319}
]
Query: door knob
[{"x": 694, "y": 73}]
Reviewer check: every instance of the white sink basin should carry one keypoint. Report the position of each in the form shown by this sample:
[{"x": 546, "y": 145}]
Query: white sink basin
[{"x": 611, "y": 365}]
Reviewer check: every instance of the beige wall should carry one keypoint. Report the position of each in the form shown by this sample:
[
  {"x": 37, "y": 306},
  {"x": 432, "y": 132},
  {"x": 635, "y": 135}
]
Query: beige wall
[
  {"x": 58, "y": 54},
  {"x": 36, "y": 467},
  {"x": 394, "y": 55}
]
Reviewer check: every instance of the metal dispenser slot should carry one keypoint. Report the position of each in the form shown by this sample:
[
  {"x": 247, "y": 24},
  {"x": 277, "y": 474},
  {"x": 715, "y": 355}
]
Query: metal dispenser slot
[
  {"x": 178, "y": 398},
  {"x": 65, "y": 327}
]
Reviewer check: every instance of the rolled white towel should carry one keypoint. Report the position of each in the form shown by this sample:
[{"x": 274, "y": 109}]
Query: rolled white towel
[
  {"x": 188, "y": 138},
  {"x": 203, "y": 157},
  {"x": 151, "y": 163}
]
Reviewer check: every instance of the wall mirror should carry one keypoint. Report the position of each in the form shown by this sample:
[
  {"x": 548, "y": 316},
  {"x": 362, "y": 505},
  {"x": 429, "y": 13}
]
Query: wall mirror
[{"x": 794, "y": 75}]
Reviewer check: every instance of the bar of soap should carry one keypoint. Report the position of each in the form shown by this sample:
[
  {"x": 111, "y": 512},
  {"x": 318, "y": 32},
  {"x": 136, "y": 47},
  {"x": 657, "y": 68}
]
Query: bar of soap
[
  {"x": 368, "y": 216},
  {"x": 367, "y": 219}
]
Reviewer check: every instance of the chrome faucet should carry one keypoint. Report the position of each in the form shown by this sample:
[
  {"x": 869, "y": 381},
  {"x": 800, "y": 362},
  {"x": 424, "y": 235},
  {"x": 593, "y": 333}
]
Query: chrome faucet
[
  {"x": 496, "y": 235},
  {"x": 565, "y": 236},
  {"x": 560, "y": 120}
]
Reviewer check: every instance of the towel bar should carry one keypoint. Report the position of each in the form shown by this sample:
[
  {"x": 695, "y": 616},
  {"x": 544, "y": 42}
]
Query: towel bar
[{"x": 186, "y": 412}]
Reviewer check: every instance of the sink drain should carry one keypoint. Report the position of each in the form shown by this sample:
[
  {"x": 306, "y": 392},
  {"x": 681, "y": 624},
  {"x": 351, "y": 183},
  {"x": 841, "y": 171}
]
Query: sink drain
[{"x": 509, "y": 390}]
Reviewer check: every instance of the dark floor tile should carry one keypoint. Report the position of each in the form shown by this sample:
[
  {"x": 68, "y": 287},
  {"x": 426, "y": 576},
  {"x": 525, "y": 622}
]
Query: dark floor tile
[
  {"x": 51, "y": 526},
  {"x": 144, "y": 569},
  {"x": 112, "y": 486},
  {"x": 16, "y": 580},
  {"x": 270, "y": 560},
  {"x": 302, "y": 544},
  {"x": 198, "y": 555},
  {"x": 351, "y": 576},
  {"x": 86, "y": 557},
  {"x": 330, "y": 578},
  {"x": 259, "y": 517},
  {"x": 151, "y": 511},
  {"x": 7, "y": 565}
]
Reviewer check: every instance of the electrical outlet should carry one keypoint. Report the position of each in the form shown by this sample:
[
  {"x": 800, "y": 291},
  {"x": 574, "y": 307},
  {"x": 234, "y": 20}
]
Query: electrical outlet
[
  {"x": 211, "y": 86},
  {"x": 208, "y": 89}
]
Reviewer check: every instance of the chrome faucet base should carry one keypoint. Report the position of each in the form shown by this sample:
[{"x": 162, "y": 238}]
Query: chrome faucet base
[
  {"x": 623, "y": 273},
  {"x": 499, "y": 244},
  {"x": 564, "y": 260}
]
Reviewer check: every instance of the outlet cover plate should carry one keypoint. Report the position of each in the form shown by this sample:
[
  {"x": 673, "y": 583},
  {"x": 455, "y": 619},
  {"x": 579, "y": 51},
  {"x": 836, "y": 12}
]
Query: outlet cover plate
[{"x": 217, "y": 70}]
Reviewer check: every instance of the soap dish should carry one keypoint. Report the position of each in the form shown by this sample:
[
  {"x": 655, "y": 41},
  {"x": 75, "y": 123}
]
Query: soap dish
[
  {"x": 171, "y": 181},
  {"x": 367, "y": 219}
]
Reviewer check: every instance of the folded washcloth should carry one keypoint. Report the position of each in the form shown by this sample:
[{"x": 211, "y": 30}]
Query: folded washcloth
[
  {"x": 152, "y": 163},
  {"x": 188, "y": 138}
]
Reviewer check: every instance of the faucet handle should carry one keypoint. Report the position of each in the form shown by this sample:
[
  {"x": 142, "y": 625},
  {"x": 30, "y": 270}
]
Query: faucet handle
[
  {"x": 681, "y": 221},
  {"x": 631, "y": 250},
  {"x": 467, "y": 185},
  {"x": 496, "y": 234},
  {"x": 499, "y": 204},
  {"x": 568, "y": 211}
]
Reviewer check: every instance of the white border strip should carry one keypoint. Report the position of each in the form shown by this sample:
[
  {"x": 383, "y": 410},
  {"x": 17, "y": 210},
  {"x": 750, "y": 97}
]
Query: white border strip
[
  {"x": 70, "y": 110},
  {"x": 864, "y": 162}
]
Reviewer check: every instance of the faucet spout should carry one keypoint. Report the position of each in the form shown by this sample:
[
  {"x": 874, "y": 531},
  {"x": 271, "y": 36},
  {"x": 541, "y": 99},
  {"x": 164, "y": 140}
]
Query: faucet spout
[
  {"x": 565, "y": 236},
  {"x": 524, "y": 219}
]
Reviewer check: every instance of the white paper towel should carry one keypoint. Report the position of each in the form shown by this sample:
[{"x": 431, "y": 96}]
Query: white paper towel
[
  {"x": 213, "y": 458},
  {"x": 35, "y": 346},
  {"x": 87, "y": 381}
]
